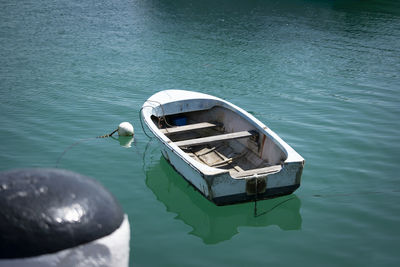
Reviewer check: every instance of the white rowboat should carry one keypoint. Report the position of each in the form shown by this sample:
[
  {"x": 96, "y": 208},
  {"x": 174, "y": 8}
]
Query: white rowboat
[{"x": 222, "y": 150}]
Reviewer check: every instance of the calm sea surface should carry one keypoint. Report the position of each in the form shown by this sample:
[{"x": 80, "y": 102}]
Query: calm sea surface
[{"x": 324, "y": 75}]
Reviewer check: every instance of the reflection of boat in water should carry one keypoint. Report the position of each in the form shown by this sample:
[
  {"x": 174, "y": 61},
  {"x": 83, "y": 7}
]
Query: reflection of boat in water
[{"x": 211, "y": 223}]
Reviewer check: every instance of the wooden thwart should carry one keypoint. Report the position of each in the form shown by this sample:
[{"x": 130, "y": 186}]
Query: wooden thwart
[
  {"x": 259, "y": 171},
  {"x": 212, "y": 139},
  {"x": 190, "y": 127}
]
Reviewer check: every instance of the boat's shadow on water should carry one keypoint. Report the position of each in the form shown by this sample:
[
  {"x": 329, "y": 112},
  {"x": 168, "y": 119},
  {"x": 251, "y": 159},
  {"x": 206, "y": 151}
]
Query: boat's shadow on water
[{"x": 211, "y": 223}]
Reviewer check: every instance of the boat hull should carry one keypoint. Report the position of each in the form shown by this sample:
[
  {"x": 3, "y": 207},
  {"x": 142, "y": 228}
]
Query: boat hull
[
  {"x": 223, "y": 190},
  {"x": 213, "y": 183}
]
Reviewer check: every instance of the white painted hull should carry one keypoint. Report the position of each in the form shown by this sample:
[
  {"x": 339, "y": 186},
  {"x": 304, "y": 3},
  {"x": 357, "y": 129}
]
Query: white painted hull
[{"x": 219, "y": 185}]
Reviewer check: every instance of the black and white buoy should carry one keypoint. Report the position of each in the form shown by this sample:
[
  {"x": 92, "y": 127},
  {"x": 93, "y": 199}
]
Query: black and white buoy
[{"x": 53, "y": 217}]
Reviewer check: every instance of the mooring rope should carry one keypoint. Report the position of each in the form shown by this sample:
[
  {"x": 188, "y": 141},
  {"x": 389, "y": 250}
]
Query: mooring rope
[
  {"x": 159, "y": 118},
  {"x": 274, "y": 207},
  {"x": 163, "y": 111},
  {"x": 141, "y": 122},
  {"x": 80, "y": 141},
  {"x": 71, "y": 146},
  {"x": 124, "y": 129},
  {"x": 255, "y": 200},
  {"x": 107, "y": 135}
]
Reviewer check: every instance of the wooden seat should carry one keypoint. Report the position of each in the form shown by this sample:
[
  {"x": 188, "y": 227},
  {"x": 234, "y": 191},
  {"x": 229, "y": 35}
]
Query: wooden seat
[
  {"x": 259, "y": 171},
  {"x": 190, "y": 127},
  {"x": 215, "y": 138}
]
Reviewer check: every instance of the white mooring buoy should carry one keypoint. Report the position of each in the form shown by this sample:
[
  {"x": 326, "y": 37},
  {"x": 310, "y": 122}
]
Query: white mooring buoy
[{"x": 125, "y": 129}]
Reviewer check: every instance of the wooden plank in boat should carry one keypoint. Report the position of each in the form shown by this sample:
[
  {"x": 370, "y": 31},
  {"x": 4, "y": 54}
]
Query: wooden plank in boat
[
  {"x": 190, "y": 127},
  {"x": 212, "y": 139},
  {"x": 265, "y": 170}
]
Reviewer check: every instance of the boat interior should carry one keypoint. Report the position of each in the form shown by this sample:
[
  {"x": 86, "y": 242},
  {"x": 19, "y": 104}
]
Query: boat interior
[{"x": 221, "y": 138}]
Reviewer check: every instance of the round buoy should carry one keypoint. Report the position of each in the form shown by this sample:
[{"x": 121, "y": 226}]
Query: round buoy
[
  {"x": 53, "y": 217},
  {"x": 125, "y": 129}
]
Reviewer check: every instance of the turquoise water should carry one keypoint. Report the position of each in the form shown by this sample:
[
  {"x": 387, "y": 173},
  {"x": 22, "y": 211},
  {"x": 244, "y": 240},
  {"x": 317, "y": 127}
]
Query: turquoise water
[{"x": 324, "y": 75}]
